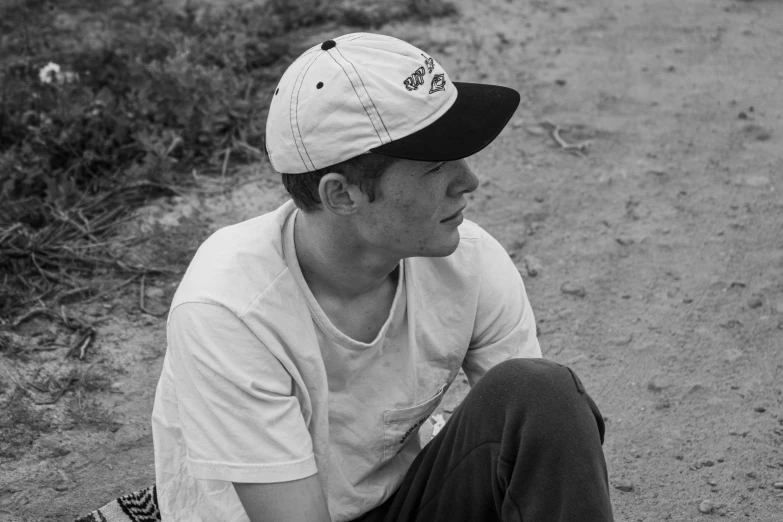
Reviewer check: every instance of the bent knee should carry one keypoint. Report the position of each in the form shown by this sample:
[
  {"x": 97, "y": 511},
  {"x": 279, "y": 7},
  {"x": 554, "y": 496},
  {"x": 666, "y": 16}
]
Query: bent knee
[
  {"x": 536, "y": 389},
  {"x": 531, "y": 378}
]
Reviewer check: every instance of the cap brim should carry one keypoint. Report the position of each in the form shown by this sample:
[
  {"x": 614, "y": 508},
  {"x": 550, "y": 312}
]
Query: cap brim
[{"x": 473, "y": 122}]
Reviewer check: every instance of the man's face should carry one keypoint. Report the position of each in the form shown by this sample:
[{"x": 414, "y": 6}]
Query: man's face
[{"x": 419, "y": 208}]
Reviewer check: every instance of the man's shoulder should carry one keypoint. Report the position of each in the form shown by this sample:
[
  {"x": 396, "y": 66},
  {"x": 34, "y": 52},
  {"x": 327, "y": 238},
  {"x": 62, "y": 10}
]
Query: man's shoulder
[
  {"x": 237, "y": 263},
  {"x": 475, "y": 244}
]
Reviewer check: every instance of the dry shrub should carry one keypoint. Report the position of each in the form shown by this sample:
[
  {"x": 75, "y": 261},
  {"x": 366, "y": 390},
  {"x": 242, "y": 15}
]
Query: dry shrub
[{"x": 107, "y": 103}]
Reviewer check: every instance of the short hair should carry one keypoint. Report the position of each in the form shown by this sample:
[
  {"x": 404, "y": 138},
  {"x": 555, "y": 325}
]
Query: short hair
[{"x": 364, "y": 170}]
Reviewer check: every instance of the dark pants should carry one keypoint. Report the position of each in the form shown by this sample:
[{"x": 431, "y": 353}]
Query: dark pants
[{"x": 524, "y": 446}]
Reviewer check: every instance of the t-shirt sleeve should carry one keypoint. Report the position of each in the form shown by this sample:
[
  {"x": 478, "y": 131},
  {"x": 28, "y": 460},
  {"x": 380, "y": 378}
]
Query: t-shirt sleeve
[
  {"x": 241, "y": 421},
  {"x": 505, "y": 327}
]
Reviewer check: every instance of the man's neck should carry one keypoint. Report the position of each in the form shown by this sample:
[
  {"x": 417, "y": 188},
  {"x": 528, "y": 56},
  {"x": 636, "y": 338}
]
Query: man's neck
[{"x": 334, "y": 261}]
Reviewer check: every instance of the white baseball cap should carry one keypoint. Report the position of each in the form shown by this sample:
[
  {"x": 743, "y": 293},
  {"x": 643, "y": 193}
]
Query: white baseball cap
[{"x": 366, "y": 92}]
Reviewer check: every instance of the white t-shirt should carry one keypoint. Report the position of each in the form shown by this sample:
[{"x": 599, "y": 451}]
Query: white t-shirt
[{"x": 259, "y": 386}]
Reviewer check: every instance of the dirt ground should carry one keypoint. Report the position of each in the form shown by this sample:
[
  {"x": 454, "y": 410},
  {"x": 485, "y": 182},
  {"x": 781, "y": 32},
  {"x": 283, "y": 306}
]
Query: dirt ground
[{"x": 653, "y": 257}]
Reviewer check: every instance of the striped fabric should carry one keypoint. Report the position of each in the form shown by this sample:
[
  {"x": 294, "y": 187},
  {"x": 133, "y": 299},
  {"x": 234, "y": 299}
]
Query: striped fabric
[{"x": 141, "y": 506}]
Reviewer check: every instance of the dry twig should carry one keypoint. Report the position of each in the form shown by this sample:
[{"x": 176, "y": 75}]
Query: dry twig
[
  {"x": 32, "y": 313},
  {"x": 28, "y": 392},
  {"x": 82, "y": 343},
  {"x": 59, "y": 393},
  {"x": 578, "y": 149},
  {"x": 141, "y": 299},
  {"x": 54, "y": 398},
  {"x": 114, "y": 288},
  {"x": 75, "y": 291},
  {"x": 225, "y": 166}
]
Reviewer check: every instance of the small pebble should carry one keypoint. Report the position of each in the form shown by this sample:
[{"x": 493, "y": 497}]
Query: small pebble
[
  {"x": 662, "y": 404},
  {"x": 624, "y": 485},
  {"x": 535, "y": 130},
  {"x": 706, "y": 507},
  {"x": 752, "y": 474},
  {"x": 755, "y": 302},
  {"x": 533, "y": 265},
  {"x": 707, "y": 463},
  {"x": 757, "y": 132},
  {"x": 572, "y": 289},
  {"x": 756, "y": 181},
  {"x": 777, "y": 485},
  {"x": 656, "y": 385},
  {"x": 153, "y": 292},
  {"x": 760, "y": 409}
]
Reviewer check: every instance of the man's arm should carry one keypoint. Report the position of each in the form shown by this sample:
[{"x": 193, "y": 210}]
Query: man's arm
[{"x": 297, "y": 500}]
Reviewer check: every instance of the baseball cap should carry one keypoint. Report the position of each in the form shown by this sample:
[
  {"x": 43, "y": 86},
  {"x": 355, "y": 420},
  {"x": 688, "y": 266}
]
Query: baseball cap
[{"x": 365, "y": 92}]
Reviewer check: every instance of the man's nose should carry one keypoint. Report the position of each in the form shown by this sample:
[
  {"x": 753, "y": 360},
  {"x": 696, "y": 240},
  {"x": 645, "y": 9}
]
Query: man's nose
[{"x": 465, "y": 181}]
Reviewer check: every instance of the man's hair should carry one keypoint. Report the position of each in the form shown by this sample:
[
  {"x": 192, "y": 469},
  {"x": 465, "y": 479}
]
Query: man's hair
[{"x": 365, "y": 171}]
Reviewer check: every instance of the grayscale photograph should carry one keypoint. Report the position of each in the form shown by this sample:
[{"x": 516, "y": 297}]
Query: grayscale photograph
[{"x": 391, "y": 260}]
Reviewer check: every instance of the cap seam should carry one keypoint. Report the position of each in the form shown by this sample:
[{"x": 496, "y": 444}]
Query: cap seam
[
  {"x": 295, "y": 111},
  {"x": 355, "y": 37},
  {"x": 368, "y": 96},
  {"x": 292, "y": 119},
  {"x": 357, "y": 96},
  {"x": 309, "y": 52}
]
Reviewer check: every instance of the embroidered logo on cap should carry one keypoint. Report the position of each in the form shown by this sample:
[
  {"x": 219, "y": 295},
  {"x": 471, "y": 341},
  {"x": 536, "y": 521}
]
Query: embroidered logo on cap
[
  {"x": 429, "y": 62},
  {"x": 438, "y": 83},
  {"x": 413, "y": 81}
]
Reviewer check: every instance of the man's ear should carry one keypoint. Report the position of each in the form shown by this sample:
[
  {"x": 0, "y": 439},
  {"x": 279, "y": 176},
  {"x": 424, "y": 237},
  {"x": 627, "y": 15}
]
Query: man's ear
[{"x": 339, "y": 196}]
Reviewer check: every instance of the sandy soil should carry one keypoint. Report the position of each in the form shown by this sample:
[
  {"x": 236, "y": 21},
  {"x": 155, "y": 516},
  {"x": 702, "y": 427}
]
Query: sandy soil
[{"x": 654, "y": 262}]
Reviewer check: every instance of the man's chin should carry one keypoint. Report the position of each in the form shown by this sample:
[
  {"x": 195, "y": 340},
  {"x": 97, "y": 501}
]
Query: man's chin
[{"x": 444, "y": 249}]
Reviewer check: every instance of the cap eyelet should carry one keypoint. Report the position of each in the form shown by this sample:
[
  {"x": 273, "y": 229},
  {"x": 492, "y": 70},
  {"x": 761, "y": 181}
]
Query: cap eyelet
[
  {"x": 328, "y": 44},
  {"x": 319, "y": 85},
  {"x": 277, "y": 91}
]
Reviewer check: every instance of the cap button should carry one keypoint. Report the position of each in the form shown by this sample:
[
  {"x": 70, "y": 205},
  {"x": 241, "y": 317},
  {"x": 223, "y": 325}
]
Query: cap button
[{"x": 328, "y": 44}]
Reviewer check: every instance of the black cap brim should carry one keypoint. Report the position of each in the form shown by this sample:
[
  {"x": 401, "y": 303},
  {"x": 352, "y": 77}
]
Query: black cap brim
[{"x": 473, "y": 122}]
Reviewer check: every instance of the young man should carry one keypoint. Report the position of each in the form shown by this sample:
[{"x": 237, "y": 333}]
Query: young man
[{"x": 307, "y": 347}]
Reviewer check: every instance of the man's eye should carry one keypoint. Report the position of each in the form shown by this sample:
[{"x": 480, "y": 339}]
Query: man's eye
[{"x": 438, "y": 167}]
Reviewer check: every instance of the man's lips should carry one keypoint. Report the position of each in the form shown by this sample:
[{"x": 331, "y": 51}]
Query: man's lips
[{"x": 457, "y": 213}]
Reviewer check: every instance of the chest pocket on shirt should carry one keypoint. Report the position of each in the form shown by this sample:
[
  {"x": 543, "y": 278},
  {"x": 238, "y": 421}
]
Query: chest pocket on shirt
[{"x": 400, "y": 425}]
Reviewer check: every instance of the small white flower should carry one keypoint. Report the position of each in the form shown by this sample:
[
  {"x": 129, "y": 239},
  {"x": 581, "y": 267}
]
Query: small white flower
[{"x": 50, "y": 72}]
